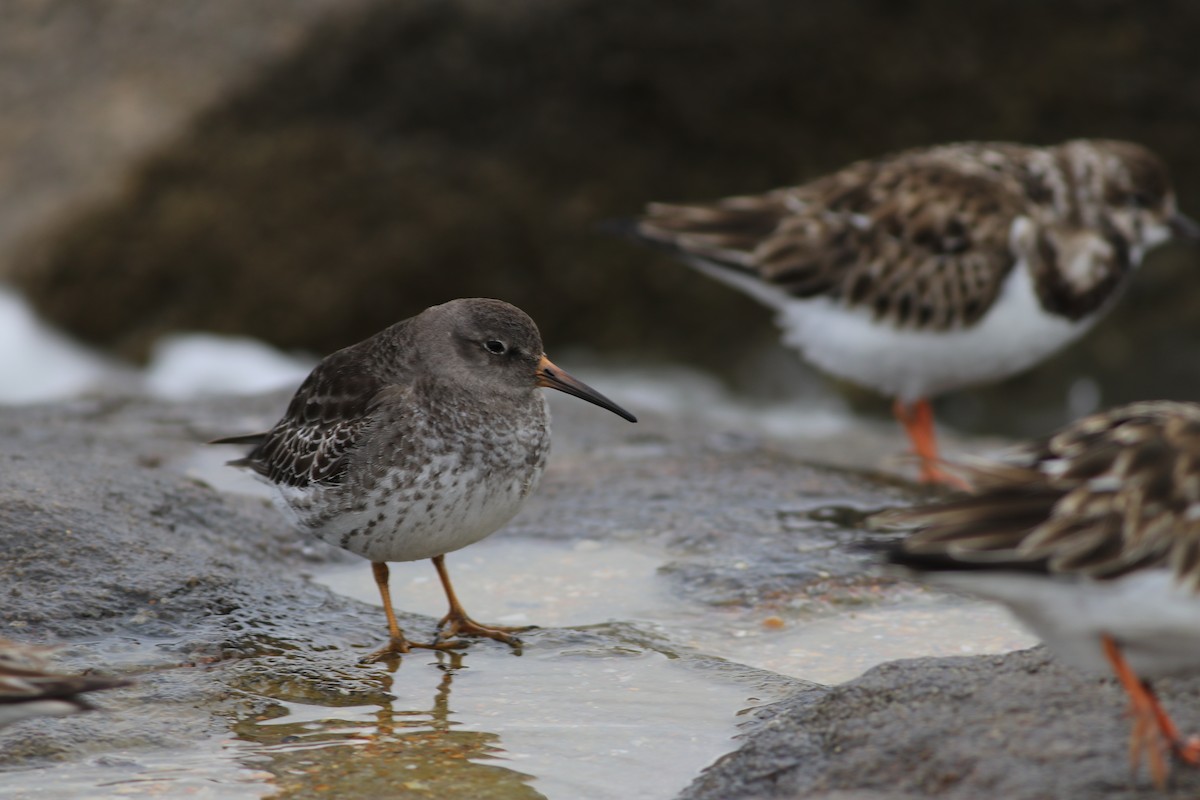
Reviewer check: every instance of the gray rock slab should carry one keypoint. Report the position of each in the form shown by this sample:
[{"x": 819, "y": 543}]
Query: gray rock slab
[
  {"x": 144, "y": 571},
  {"x": 1017, "y": 726}
]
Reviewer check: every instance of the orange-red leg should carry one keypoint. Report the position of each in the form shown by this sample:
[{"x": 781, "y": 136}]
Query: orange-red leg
[
  {"x": 397, "y": 643},
  {"x": 1154, "y": 735},
  {"x": 456, "y": 622},
  {"x": 917, "y": 420}
]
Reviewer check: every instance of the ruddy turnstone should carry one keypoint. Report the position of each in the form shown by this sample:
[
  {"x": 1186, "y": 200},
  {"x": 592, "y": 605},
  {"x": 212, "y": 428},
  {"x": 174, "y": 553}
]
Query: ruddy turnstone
[
  {"x": 418, "y": 441},
  {"x": 1092, "y": 538},
  {"x": 28, "y": 690},
  {"x": 934, "y": 269}
]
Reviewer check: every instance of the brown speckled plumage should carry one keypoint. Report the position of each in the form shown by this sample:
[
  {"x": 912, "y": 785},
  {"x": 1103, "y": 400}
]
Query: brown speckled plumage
[
  {"x": 925, "y": 238},
  {"x": 1114, "y": 492}
]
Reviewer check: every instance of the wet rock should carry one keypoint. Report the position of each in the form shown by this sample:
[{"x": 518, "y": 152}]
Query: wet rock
[
  {"x": 147, "y": 572},
  {"x": 1018, "y": 726}
]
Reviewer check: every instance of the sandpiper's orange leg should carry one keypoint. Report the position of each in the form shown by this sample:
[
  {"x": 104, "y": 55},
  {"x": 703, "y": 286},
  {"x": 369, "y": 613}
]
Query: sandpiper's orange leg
[
  {"x": 1154, "y": 734},
  {"x": 917, "y": 420},
  {"x": 397, "y": 644},
  {"x": 456, "y": 622}
]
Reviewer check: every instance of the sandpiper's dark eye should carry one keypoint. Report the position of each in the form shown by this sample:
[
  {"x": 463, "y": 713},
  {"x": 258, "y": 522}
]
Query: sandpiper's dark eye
[{"x": 495, "y": 346}]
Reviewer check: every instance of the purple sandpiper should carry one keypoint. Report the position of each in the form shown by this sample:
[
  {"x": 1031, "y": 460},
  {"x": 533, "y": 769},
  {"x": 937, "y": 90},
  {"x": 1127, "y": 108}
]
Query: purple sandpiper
[{"x": 418, "y": 441}]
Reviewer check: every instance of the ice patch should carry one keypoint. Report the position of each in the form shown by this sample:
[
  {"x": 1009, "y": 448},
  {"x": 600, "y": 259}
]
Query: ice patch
[
  {"x": 38, "y": 363},
  {"x": 188, "y": 365}
]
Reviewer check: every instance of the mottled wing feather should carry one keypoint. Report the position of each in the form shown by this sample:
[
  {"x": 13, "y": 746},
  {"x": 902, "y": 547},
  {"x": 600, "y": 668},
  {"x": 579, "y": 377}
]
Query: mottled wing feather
[
  {"x": 332, "y": 411},
  {"x": 914, "y": 238},
  {"x": 324, "y": 423},
  {"x": 1111, "y": 493}
]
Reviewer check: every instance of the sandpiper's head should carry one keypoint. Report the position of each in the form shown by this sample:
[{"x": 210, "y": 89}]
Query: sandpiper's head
[
  {"x": 495, "y": 346},
  {"x": 1134, "y": 187}
]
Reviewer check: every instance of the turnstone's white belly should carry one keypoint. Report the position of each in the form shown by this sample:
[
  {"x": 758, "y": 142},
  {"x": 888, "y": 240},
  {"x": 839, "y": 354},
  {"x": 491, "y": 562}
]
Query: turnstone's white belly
[
  {"x": 849, "y": 342},
  {"x": 1154, "y": 619}
]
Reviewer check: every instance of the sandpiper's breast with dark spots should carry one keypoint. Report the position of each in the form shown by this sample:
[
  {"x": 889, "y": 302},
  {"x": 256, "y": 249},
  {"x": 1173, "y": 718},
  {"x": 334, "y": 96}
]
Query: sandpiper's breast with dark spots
[{"x": 448, "y": 481}]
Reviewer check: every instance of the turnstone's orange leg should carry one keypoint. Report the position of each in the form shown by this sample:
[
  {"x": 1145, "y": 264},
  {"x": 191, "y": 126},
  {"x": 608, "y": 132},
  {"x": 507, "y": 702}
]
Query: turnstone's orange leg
[
  {"x": 1154, "y": 734},
  {"x": 1187, "y": 750},
  {"x": 917, "y": 420},
  {"x": 457, "y": 623},
  {"x": 397, "y": 644}
]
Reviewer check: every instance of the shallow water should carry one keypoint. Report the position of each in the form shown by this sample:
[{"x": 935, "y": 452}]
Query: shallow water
[
  {"x": 563, "y": 719},
  {"x": 555, "y": 724},
  {"x": 523, "y": 582}
]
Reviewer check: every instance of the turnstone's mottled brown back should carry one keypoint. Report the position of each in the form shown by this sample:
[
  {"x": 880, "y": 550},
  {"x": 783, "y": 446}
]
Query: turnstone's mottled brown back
[{"x": 924, "y": 239}]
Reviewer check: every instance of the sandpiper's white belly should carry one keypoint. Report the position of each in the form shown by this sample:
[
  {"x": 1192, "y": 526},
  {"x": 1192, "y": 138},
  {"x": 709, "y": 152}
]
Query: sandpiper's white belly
[
  {"x": 1015, "y": 334},
  {"x": 429, "y": 493},
  {"x": 1155, "y": 621}
]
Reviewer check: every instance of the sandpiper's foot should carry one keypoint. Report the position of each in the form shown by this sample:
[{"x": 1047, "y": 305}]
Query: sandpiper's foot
[
  {"x": 395, "y": 648},
  {"x": 457, "y": 623}
]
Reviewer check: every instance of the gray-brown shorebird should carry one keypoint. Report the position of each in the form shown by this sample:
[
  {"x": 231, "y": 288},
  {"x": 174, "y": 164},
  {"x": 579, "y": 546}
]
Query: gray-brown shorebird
[{"x": 418, "y": 441}]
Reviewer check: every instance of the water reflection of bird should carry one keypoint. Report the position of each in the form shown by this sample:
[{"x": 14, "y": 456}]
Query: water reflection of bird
[
  {"x": 436, "y": 718},
  {"x": 1092, "y": 538},
  {"x": 935, "y": 269},
  {"x": 420, "y": 440},
  {"x": 410, "y": 749},
  {"x": 28, "y": 689}
]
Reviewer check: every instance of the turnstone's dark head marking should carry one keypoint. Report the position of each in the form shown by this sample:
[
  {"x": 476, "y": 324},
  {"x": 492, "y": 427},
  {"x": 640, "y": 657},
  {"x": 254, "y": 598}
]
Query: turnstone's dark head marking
[
  {"x": 1092, "y": 538},
  {"x": 934, "y": 269},
  {"x": 418, "y": 441}
]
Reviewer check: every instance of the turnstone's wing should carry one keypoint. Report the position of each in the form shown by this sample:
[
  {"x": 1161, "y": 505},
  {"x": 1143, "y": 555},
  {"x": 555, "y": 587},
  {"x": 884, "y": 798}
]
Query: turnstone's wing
[
  {"x": 1111, "y": 493},
  {"x": 27, "y": 690},
  {"x": 915, "y": 238},
  {"x": 27, "y": 685},
  {"x": 324, "y": 422}
]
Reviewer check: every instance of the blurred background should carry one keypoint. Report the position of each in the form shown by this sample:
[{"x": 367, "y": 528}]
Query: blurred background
[{"x": 306, "y": 172}]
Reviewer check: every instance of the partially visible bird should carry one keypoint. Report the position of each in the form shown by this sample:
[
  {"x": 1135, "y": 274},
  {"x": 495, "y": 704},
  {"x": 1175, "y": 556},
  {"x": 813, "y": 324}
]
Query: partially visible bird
[
  {"x": 934, "y": 269},
  {"x": 28, "y": 689},
  {"x": 1091, "y": 537},
  {"x": 418, "y": 441}
]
